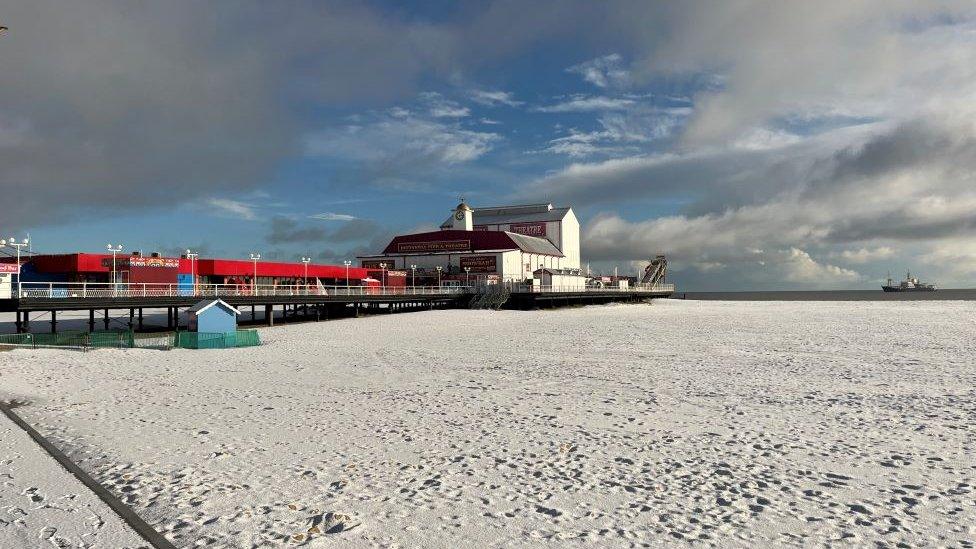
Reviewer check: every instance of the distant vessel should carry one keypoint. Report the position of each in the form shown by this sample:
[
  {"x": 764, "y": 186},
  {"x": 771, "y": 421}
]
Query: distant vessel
[{"x": 910, "y": 284}]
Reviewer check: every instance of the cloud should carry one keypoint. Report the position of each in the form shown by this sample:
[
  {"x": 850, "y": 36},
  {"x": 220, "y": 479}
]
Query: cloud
[
  {"x": 233, "y": 208},
  {"x": 494, "y": 98},
  {"x": 285, "y": 230},
  {"x": 797, "y": 266},
  {"x": 440, "y": 107},
  {"x": 357, "y": 230},
  {"x": 395, "y": 152},
  {"x": 870, "y": 59},
  {"x": 581, "y": 103},
  {"x": 620, "y": 134},
  {"x": 603, "y": 71},
  {"x": 904, "y": 183},
  {"x": 137, "y": 109},
  {"x": 111, "y": 110},
  {"x": 332, "y": 216},
  {"x": 861, "y": 256}
]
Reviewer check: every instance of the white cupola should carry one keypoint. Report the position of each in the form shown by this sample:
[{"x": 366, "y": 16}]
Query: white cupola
[{"x": 463, "y": 217}]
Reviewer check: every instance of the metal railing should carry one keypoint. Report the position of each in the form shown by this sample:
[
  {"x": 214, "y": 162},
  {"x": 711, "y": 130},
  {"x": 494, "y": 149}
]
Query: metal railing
[
  {"x": 81, "y": 290},
  {"x": 648, "y": 288}
]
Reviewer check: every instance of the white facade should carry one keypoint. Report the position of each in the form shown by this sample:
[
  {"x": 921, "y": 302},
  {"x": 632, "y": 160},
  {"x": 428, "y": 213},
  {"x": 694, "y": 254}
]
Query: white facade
[
  {"x": 510, "y": 265},
  {"x": 559, "y": 225},
  {"x": 538, "y": 236},
  {"x": 564, "y": 280}
]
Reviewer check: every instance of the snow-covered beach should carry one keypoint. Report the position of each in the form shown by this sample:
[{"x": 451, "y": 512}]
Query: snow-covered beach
[{"x": 735, "y": 423}]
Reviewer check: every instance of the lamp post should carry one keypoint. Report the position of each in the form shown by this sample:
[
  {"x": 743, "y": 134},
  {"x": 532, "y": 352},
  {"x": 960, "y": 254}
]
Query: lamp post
[
  {"x": 413, "y": 276},
  {"x": 347, "y": 263},
  {"x": 383, "y": 275},
  {"x": 305, "y": 262},
  {"x": 193, "y": 276},
  {"x": 254, "y": 282},
  {"x": 115, "y": 250},
  {"x": 467, "y": 276},
  {"x": 439, "y": 269},
  {"x": 18, "y": 245}
]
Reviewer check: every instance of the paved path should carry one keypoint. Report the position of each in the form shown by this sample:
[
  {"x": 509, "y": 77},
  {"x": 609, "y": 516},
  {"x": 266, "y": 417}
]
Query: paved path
[{"x": 43, "y": 505}]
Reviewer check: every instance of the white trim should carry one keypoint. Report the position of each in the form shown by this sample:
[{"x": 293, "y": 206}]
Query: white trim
[{"x": 214, "y": 302}]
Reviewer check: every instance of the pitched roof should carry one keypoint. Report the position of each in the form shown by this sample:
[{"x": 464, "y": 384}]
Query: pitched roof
[
  {"x": 468, "y": 241},
  {"x": 202, "y": 306},
  {"x": 513, "y": 214}
]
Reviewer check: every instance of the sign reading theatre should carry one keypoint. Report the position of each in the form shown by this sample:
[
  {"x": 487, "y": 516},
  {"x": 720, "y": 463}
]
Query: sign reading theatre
[
  {"x": 435, "y": 246},
  {"x": 529, "y": 229}
]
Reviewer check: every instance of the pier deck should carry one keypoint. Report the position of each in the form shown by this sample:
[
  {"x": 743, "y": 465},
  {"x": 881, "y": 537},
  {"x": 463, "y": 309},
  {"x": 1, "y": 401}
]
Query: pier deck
[{"x": 314, "y": 302}]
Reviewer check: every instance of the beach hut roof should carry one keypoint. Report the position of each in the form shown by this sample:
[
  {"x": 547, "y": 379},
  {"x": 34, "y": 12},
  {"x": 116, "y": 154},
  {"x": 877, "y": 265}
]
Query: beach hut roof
[{"x": 206, "y": 304}]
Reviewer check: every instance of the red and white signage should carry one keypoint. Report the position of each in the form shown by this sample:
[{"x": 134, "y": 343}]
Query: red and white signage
[
  {"x": 166, "y": 262},
  {"x": 435, "y": 246},
  {"x": 9, "y": 268},
  {"x": 479, "y": 263}
]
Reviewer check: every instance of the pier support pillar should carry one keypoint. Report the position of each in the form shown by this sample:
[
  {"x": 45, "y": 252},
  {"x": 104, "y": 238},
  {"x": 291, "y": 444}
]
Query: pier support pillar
[
  {"x": 252, "y": 314},
  {"x": 91, "y": 320},
  {"x": 269, "y": 315},
  {"x": 18, "y": 325},
  {"x": 54, "y": 322},
  {"x": 26, "y": 323},
  {"x": 169, "y": 318},
  {"x": 132, "y": 315},
  {"x": 105, "y": 319},
  {"x": 140, "y": 318}
]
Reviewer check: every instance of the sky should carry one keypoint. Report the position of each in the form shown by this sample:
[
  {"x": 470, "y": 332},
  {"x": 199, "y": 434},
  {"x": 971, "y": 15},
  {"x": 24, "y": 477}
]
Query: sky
[{"x": 760, "y": 145}]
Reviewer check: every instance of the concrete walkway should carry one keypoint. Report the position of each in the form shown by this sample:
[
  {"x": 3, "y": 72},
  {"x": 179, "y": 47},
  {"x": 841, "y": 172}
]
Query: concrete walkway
[{"x": 43, "y": 505}]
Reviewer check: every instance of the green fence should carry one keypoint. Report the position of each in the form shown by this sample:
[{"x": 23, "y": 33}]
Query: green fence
[
  {"x": 127, "y": 339},
  {"x": 204, "y": 340}
]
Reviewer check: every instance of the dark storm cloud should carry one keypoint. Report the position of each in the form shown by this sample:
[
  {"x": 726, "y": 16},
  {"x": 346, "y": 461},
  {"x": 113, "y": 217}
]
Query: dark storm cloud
[
  {"x": 112, "y": 105},
  {"x": 285, "y": 230},
  {"x": 357, "y": 229}
]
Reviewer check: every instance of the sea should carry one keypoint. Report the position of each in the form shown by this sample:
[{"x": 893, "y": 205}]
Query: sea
[{"x": 832, "y": 295}]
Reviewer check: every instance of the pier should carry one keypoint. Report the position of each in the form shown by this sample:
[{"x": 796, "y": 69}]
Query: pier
[{"x": 295, "y": 302}]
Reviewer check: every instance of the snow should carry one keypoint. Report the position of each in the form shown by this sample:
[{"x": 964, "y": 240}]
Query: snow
[
  {"x": 42, "y": 504},
  {"x": 742, "y": 423}
]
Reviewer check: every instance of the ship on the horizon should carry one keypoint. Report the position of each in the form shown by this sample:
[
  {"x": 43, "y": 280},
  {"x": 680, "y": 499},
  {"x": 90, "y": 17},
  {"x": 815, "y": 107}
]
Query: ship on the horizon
[{"x": 910, "y": 284}]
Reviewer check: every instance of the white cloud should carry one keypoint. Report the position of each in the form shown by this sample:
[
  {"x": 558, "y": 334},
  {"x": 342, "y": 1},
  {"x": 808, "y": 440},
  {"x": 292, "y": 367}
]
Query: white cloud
[
  {"x": 449, "y": 111},
  {"x": 399, "y": 112},
  {"x": 332, "y": 216},
  {"x": 489, "y": 122},
  {"x": 797, "y": 266},
  {"x": 836, "y": 195},
  {"x": 439, "y": 107},
  {"x": 494, "y": 98},
  {"x": 233, "y": 208},
  {"x": 603, "y": 71},
  {"x": 868, "y": 59},
  {"x": 764, "y": 138},
  {"x": 861, "y": 256},
  {"x": 620, "y": 134},
  {"x": 582, "y": 103},
  {"x": 408, "y": 145}
]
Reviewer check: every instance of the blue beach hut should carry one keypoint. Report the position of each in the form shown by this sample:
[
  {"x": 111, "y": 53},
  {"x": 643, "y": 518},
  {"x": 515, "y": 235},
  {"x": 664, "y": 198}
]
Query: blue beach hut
[{"x": 213, "y": 316}]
